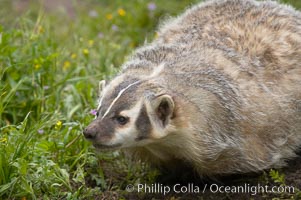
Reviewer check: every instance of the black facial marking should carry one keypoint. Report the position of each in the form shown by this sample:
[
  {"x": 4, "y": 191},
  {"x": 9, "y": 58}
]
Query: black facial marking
[{"x": 143, "y": 124}]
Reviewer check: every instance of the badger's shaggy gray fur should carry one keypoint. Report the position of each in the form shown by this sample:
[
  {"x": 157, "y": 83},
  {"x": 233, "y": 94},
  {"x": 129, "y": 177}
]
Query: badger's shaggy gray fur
[{"x": 219, "y": 89}]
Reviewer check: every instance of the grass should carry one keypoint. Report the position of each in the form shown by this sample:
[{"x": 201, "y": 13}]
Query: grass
[{"x": 50, "y": 64}]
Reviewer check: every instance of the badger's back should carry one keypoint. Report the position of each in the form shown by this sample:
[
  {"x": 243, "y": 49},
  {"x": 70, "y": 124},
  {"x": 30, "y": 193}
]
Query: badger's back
[{"x": 261, "y": 38}]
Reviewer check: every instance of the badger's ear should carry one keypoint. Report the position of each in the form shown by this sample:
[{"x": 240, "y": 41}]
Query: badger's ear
[
  {"x": 101, "y": 86},
  {"x": 164, "y": 108}
]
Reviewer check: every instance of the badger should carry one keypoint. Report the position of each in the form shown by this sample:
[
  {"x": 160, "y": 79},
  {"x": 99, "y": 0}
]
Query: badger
[{"x": 219, "y": 90}]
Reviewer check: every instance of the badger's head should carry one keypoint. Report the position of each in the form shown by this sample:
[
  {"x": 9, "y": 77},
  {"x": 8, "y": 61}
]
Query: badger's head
[{"x": 131, "y": 112}]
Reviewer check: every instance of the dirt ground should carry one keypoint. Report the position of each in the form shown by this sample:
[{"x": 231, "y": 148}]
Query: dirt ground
[{"x": 292, "y": 175}]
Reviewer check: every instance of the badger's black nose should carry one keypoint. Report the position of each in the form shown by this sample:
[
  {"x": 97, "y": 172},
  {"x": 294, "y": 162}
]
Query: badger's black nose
[{"x": 89, "y": 133}]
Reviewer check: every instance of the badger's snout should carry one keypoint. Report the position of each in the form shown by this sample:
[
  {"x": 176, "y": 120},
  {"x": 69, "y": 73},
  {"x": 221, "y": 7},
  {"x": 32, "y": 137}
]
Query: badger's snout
[
  {"x": 100, "y": 132},
  {"x": 90, "y": 133},
  {"x": 100, "y": 136}
]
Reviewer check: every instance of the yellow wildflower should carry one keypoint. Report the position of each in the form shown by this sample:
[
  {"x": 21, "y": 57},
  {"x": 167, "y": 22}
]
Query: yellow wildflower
[
  {"x": 66, "y": 65},
  {"x": 41, "y": 29},
  {"x": 121, "y": 12},
  {"x": 37, "y": 66},
  {"x": 58, "y": 125},
  {"x": 85, "y": 51},
  {"x": 91, "y": 42},
  {"x": 109, "y": 16},
  {"x": 73, "y": 56},
  {"x": 38, "y": 62},
  {"x": 3, "y": 140}
]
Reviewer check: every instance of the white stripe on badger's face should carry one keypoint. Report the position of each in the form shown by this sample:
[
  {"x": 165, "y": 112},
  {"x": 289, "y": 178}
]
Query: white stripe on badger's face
[
  {"x": 118, "y": 96},
  {"x": 104, "y": 88},
  {"x": 101, "y": 87}
]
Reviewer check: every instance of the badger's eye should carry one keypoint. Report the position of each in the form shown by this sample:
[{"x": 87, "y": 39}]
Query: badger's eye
[{"x": 121, "y": 120}]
